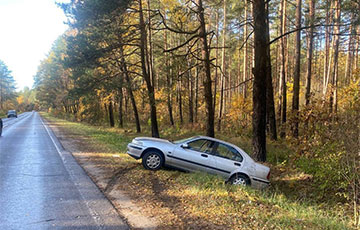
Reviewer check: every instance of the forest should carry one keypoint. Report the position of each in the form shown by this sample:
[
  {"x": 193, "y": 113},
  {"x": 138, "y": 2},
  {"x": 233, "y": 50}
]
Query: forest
[
  {"x": 23, "y": 100},
  {"x": 277, "y": 71}
]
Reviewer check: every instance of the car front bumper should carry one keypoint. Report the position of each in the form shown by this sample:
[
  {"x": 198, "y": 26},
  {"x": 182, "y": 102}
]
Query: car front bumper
[{"x": 134, "y": 150}]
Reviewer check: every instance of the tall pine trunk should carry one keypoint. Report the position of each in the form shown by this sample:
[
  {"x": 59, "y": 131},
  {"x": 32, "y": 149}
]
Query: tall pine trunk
[
  {"x": 283, "y": 71},
  {"x": 168, "y": 81},
  {"x": 205, "y": 57},
  {"x": 270, "y": 107},
  {"x": 145, "y": 73},
  {"x": 111, "y": 114},
  {"x": 335, "y": 71},
  {"x": 296, "y": 93},
  {"x": 129, "y": 89},
  {"x": 223, "y": 68},
  {"x": 349, "y": 54},
  {"x": 246, "y": 51},
  {"x": 121, "y": 117},
  {"x": 260, "y": 73},
  {"x": 309, "y": 55}
]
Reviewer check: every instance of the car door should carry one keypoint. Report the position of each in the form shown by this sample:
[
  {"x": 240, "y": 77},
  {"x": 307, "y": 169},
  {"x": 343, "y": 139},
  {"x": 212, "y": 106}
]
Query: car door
[
  {"x": 227, "y": 159},
  {"x": 194, "y": 156}
]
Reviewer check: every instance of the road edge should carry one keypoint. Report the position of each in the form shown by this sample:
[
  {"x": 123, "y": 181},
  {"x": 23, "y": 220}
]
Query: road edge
[
  {"x": 101, "y": 210},
  {"x": 127, "y": 210}
]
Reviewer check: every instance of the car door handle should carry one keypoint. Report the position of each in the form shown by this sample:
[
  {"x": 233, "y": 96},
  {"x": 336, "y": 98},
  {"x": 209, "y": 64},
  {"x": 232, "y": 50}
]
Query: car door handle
[
  {"x": 204, "y": 155},
  {"x": 237, "y": 164}
]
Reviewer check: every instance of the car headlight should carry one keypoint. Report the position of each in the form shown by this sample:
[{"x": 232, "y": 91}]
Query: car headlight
[{"x": 136, "y": 142}]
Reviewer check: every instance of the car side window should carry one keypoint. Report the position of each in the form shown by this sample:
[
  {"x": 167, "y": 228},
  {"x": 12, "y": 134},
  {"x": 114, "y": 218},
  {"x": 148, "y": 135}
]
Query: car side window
[
  {"x": 228, "y": 152},
  {"x": 201, "y": 145}
]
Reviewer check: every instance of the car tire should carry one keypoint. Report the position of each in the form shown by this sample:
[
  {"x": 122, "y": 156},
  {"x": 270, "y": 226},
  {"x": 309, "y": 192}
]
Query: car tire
[
  {"x": 239, "y": 179},
  {"x": 153, "y": 160}
]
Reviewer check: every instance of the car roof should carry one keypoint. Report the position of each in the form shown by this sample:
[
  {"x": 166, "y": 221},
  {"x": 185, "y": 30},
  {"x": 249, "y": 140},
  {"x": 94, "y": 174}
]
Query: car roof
[{"x": 218, "y": 140}]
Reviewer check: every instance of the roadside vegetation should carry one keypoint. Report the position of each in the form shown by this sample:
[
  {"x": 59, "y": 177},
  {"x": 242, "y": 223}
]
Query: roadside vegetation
[{"x": 295, "y": 199}]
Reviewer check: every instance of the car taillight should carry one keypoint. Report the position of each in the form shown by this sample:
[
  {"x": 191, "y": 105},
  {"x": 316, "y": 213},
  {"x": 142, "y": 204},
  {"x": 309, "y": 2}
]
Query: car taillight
[{"x": 268, "y": 176}]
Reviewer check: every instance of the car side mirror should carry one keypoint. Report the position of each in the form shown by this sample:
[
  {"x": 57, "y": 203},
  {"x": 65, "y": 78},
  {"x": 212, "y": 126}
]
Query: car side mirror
[{"x": 185, "y": 146}]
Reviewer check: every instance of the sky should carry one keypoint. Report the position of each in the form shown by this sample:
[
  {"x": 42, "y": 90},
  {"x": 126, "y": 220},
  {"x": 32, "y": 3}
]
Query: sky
[{"x": 28, "y": 30}]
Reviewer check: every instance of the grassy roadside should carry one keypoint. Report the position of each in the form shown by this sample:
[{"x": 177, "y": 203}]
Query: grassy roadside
[{"x": 196, "y": 200}]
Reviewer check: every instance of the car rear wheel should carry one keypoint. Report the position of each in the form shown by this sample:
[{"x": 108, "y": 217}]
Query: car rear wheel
[
  {"x": 240, "y": 179},
  {"x": 152, "y": 160}
]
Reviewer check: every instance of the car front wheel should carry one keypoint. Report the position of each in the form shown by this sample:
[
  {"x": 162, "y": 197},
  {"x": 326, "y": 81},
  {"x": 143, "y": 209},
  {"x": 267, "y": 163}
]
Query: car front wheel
[
  {"x": 239, "y": 179},
  {"x": 152, "y": 160}
]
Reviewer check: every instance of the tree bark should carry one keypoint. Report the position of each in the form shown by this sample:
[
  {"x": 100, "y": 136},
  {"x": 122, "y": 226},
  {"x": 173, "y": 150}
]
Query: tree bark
[
  {"x": 223, "y": 68},
  {"x": 216, "y": 57},
  {"x": 111, "y": 114},
  {"x": 129, "y": 90},
  {"x": 179, "y": 94},
  {"x": 246, "y": 53},
  {"x": 334, "y": 80},
  {"x": 146, "y": 76},
  {"x": 260, "y": 73},
  {"x": 121, "y": 118},
  {"x": 309, "y": 55},
  {"x": 150, "y": 56},
  {"x": 168, "y": 81},
  {"x": 191, "y": 101},
  {"x": 196, "y": 93},
  {"x": 296, "y": 93},
  {"x": 356, "y": 54},
  {"x": 349, "y": 55},
  {"x": 283, "y": 71},
  {"x": 327, "y": 59},
  {"x": 270, "y": 107},
  {"x": 206, "y": 70}
]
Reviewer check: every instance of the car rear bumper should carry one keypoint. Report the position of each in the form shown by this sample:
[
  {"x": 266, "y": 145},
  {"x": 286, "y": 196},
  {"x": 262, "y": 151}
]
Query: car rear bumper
[{"x": 259, "y": 183}]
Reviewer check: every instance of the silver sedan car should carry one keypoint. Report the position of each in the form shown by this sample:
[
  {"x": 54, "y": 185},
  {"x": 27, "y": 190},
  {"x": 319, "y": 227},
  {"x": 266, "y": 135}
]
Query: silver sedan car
[{"x": 201, "y": 153}]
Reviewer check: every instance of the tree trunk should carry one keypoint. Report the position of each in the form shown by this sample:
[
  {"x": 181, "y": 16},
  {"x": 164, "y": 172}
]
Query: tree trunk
[
  {"x": 283, "y": 71},
  {"x": 168, "y": 82},
  {"x": 129, "y": 90},
  {"x": 260, "y": 73},
  {"x": 309, "y": 55},
  {"x": 334, "y": 80},
  {"x": 296, "y": 93},
  {"x": 121, "y": 118},
  {"x": 191, "y": 101},
  {"x": 206, "y": 70},
  {"x": 196, "y": 93},
  {"x": 327, "y": 59},
  {"x": 150, "y": 49},
  {"x": 270, "y": 107},
  {"x": 216, "y": 57},
  {"x": 349, "y": 55},
  {"x": 246, "y": 54},
  {"x": 356, "y": 58},
  {"x": 179, "y": 91},
  {"x": 111, "y": 114},
  {"x": 146, "y": 76},
  {"x": 223, "y": 68}
]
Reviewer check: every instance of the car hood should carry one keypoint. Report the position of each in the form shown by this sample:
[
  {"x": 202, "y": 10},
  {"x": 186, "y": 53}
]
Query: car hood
[{"x": 152, "y": 139}]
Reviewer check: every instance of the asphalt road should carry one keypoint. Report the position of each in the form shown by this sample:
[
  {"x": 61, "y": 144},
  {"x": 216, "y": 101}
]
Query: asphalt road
[{"x": 42, "y": 186}]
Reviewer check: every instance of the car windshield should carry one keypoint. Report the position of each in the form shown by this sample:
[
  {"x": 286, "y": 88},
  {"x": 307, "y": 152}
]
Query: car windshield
[{"x": 182, "y": 140}]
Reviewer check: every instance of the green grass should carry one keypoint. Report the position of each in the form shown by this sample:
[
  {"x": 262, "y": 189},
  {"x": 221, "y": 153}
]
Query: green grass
[{"x": 287, "y": 204}]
